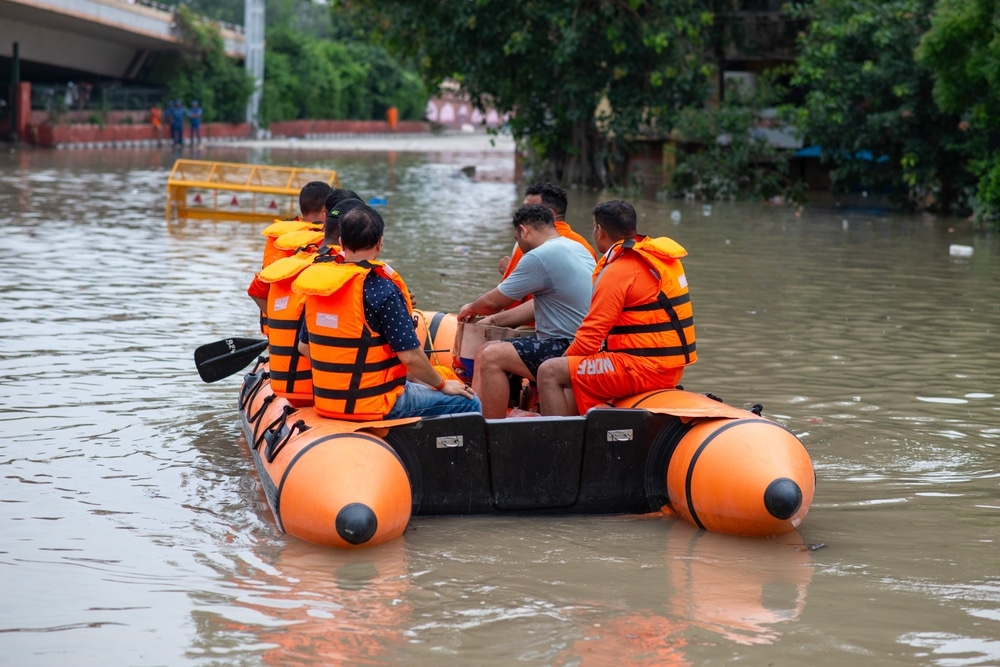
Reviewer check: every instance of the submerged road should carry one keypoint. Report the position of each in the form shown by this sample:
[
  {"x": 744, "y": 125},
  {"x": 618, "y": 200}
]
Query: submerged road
[{"x": 472, "y": 142}]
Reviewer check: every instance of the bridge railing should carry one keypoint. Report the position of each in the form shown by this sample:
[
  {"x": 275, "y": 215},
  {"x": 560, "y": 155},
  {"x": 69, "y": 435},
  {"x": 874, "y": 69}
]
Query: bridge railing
[
  {"x": 164, "y": 7},
  {"x": 85, "y": 97}
]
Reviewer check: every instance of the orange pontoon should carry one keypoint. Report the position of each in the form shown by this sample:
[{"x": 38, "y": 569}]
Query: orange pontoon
[{"x": 351, "y": 484}]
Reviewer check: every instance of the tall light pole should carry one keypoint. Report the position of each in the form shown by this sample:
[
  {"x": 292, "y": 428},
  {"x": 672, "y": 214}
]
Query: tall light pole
[{"x": 253, "y": 31}]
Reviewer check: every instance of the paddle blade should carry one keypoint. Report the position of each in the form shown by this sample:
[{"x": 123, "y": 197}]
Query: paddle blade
[{"x": 227, "y": 356}]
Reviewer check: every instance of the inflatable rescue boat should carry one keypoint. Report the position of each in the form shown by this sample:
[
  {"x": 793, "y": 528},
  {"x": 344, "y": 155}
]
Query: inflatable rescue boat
[{"x": 353, "y": 484}]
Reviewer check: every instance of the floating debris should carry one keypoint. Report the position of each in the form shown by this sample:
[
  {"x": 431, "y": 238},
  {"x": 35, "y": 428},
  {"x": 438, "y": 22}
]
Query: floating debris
[{"x": 957, "y": 250}]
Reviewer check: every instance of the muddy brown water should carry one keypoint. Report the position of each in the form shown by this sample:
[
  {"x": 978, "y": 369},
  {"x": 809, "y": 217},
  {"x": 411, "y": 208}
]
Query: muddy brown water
[{"x": 134, "y": 533}]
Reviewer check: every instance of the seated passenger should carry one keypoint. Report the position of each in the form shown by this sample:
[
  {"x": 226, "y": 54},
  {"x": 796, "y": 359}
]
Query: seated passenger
[
  {"x": 554, "y": 198},
  {"x": 556, "y": 272},
  {"x": 291, "y": 374},
  {"x": 312, "y": 208},
  {"x": 639, "y": 333},
  {"x": 360, "y": 338}
]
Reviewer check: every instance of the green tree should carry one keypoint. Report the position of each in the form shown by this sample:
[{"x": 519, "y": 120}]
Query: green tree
[
  {"x": 311, "y": 78},
  {"x": 869, "y": 104},
  {"x": 387, "y": 84},
  {"x": 731, "y": 156},
  {"x": 962, "y": 47},
  {"x": 281, "y": 93},
  {"x": 207, "y": 74},
  {"x": 230, "y": 11},
  {"x": 324, "y": 72},
  {"x": 580, "y": 77},
  {"x": 307, "y": 17}
]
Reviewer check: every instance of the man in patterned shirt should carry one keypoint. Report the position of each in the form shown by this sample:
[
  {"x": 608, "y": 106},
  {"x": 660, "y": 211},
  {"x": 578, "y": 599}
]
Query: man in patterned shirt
[{"x": 336, "y": 327}]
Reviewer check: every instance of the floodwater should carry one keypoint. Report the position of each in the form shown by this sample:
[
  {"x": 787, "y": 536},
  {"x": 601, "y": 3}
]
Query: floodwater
[{"x": 134, "y": 533}]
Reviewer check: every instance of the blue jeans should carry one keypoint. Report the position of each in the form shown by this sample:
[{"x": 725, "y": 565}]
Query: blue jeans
[{"x": 419, "y": 400}]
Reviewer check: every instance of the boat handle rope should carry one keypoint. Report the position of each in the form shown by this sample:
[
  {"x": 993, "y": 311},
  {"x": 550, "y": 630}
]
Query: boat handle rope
[
  {"x": 271, "y": 451},
  {"x": 259, "y": 437},
  {"x": 261, "y": 360},
  {"x": 255, "y": 419},
  {"x": 253, "y": 390}
]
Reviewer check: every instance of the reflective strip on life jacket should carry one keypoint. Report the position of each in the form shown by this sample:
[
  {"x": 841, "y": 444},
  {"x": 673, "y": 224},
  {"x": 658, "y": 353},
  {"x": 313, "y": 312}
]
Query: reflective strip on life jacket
[
  {"x": 291, "y": 372},
  {"x": 664, "y": 327},
  {"x": 356, "y": 375}
]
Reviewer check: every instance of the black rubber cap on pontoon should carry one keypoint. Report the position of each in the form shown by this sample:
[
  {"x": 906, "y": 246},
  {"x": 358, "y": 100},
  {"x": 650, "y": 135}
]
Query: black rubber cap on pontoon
[
  {"x": 356, "y": 523},
  {"x": 782, "y": 498}
]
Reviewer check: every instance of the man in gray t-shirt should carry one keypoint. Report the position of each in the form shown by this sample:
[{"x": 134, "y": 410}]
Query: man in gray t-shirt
[{"x": 557, "y": 273}]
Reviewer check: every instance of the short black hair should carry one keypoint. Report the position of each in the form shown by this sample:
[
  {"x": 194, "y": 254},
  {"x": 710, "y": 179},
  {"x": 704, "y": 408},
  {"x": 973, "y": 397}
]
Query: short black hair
[
  {"x": 552, "y": 196},
  {"x": 361, "y": 227},
  {"x": 617, "y": 217},
  {"x": 533, "y": 215},
  {"x": 338, "y": 195},
  {"x": 331, "y": 228},
  {"x": 312, "y": 197}
]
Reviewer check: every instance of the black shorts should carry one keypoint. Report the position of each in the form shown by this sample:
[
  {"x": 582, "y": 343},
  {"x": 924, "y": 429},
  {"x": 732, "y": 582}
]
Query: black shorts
[{"x": 533, "y": 351}]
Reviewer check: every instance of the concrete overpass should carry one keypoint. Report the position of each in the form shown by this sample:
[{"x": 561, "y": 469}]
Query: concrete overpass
[{"x": 61, "y": 40}]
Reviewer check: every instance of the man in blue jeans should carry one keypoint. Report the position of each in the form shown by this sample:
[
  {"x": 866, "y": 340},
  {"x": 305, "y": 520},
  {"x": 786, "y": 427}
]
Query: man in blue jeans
[
  {"x": 194, "y": 120},
  {"x": 177, "y": 115},
  {"x": 367, "y": 361}
]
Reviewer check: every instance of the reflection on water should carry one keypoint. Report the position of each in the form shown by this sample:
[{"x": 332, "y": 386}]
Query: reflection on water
[
  {"x": 565, "y": 599},
  {"x": 134, "y": 532}
]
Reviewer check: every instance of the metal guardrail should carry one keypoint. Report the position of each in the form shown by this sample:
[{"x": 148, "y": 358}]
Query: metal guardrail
[
  {"x": 84, "y": 97},
  {"x": 163, "y": 7},
  {"x": 236, "y": 191}
]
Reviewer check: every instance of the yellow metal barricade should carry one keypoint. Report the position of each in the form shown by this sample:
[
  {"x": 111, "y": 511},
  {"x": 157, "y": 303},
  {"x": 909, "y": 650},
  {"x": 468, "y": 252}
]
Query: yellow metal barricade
[{"x": 234, "y": 191}]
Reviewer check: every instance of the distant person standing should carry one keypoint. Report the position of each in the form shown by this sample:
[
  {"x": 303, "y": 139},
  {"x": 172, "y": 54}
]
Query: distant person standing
[
  {"x": 168, "y": 115},
  {"x": 177, "y": 123},
  {"x": 194, "y": 120},
  {"x": 156, "y": 119}
]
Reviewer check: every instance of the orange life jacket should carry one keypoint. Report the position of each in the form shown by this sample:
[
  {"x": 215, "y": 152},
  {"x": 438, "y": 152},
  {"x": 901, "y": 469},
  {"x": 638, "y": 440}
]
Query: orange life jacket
[
  {"x": 356, "y": 375},
  {"x": 664, "y": 327},
  {"x": 291, "y": 372},
  {"x": 332, "y": 254},
  {"x": 291, "y": 242},
  {"x": 391, "y": 274},
  {"x": 279, "y": 228},
  {"x": 274, "y": 251}
]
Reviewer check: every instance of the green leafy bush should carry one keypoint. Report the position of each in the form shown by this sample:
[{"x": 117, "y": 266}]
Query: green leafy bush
[
  {"x": 207, "y": 74},
  {"x": 728, "y": 155},
  {"x": 314, "y": 78}
]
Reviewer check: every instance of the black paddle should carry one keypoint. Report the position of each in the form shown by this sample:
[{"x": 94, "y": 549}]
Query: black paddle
[
  {"x": 224, "y": 357},
  {"x": 230, "y": 355}
]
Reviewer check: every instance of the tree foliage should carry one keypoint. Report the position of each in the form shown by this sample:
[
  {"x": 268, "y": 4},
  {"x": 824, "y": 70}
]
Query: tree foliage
[
  {"x": 962, "y": 48},
  {"x": 732, "y": 156},
  {"x": 313, "y": 78},
  {"x": 581, "y": 77},
  {"x": 207, "y": 74},
  {"x": 870, "y": 105},
  {"x": 307, "y": 17},
  {"x": 313, "y": 67}
]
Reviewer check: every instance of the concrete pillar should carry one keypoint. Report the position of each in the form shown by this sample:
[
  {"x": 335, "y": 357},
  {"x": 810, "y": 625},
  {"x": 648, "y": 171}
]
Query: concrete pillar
[
  {"x": 15, "y": 80},
  {"x": 253, "y": 30},
  {"x": 22, "y": 97}
]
